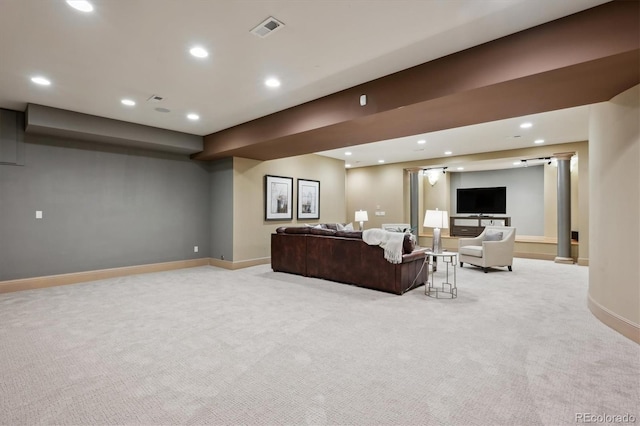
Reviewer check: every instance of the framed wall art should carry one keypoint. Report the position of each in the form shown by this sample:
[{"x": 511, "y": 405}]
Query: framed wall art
[
  {"x": 278, "y": 198},
  {"x": 308, "y": 199}
]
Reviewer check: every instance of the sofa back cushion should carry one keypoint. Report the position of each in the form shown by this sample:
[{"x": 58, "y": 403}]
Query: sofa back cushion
[
  {"x": 349, "y": 234},
  {"x": 297, "y": 230},
  {"x": 322, "y": 231}
]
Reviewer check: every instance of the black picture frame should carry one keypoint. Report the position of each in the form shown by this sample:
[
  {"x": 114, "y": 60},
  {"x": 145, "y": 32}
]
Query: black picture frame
[
  {"x": 278, "y": 197},
  {"x": 308, "y": 199}
]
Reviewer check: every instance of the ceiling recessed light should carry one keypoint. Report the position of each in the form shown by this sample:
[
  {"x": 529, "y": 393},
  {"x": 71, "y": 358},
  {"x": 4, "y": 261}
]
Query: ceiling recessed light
[
  {"x": 128, "y": 102},
  {"x": 380, "y": 161},
  {"x": 347, "y": 165},
  {"x": 448, "y": 153},
  {"x": 81, "y": 5},
  {"x": 193, "y": 116},
  {"x": 272, "y": 82},
  {"x": 199, "y": 52},
  {"x": 460, "y": 168},
  {"x": 422, "y": 141},
  {"x": 347, "y": 153},
  {"x": 525, "y": 125},
  {"x": 539, "y": 141},
  {"x": 161, "y": 109},
  {"x": 41, "y": 81}
]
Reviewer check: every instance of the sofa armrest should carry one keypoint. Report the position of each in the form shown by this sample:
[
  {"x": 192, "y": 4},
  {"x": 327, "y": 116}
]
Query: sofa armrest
[
  {"x": 497, "y": 252},
  {"x": 476, "y": 241},
  {"x": 416, "y": 254}
]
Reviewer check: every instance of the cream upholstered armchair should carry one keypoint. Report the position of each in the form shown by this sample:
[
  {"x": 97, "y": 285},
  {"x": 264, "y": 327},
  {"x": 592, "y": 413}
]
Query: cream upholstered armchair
[{"x": 494, "y": 247}]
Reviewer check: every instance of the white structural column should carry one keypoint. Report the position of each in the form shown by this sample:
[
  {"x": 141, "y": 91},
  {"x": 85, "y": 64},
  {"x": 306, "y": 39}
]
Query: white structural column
[{"x": 564, "y": 207}]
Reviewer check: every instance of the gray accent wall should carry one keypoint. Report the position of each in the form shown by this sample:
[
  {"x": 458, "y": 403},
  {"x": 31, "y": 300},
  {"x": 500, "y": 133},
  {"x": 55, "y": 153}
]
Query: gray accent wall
[
  {"x": 11, "y": 137},
  {"x": 525, "y": 194},
  {"x": 103, "y": 207},
  {"x": 222, "y": 209}
]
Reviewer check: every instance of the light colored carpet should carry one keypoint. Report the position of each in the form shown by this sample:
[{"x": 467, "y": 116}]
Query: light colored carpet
[{"x": 211, "y": 346}]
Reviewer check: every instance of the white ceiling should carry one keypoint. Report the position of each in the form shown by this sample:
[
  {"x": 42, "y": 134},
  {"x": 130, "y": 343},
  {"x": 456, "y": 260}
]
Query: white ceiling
[
  {"x": 562, "y": 126},
  {"x": 138, "y": 48}
]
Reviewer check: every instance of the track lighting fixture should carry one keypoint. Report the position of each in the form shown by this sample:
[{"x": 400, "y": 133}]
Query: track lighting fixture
[
  {"x": 543, "y": 159},
  {"x": 433, "y": 175}
]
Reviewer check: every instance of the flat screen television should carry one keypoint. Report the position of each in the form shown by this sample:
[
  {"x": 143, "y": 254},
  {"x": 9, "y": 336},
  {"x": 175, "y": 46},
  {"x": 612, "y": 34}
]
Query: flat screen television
[{"x": 482, "y": 200}]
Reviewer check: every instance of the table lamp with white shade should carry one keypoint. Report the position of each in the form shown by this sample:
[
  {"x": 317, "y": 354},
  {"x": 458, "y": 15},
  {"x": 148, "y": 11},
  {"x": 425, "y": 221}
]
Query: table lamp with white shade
[
  {"x": 361, "y": 216},
  {"x": 436, "y": 219}
]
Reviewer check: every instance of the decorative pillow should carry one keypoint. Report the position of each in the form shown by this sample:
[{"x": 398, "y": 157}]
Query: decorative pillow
[
  {"x": 315, "y": 225},
  {"x": 493, "y": 236},
  {"x": 347, "y": 227},
  {"x": 409, "y": 243}
]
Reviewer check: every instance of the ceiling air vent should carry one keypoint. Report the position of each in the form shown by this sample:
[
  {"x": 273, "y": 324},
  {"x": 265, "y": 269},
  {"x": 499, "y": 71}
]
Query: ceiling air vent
[{"x": 267, "y": 26}]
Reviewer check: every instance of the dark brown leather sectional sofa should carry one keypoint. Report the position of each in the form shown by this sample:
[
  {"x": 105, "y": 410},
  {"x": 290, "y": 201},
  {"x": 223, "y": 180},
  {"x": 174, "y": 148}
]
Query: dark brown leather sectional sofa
[{"x": 342, "y": 256}]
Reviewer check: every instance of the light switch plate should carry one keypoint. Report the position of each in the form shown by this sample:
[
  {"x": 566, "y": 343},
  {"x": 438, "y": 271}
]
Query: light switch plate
[
  {"x": 38, "y": 214},
  {"x": 195, "y": 249}
]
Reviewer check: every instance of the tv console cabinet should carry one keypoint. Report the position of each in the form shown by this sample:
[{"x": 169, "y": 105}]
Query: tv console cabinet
[{"x": 472, "y": 226}]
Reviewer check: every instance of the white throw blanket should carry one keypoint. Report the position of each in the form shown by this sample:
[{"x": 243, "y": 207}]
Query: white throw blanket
[{"x": 391, "y": 242}]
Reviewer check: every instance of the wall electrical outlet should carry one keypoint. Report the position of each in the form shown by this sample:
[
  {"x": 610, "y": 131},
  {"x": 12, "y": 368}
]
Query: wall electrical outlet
[{"x": 195, "y": 249}]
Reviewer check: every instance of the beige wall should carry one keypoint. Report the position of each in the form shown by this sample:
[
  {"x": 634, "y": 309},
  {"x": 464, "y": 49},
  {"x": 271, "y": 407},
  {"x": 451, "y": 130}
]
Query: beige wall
[
  {"x": 378, "y": 189},
  {"x": 251, "y": 233},
  {"x": 614, "y": 212}
]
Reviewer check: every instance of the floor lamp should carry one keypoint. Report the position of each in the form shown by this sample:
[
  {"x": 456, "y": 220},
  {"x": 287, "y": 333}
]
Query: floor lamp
[{"x": 436, "y": 219}]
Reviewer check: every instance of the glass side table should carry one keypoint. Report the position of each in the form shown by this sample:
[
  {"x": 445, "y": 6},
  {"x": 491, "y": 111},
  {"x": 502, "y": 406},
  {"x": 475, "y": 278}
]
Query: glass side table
[{"x": 446, "y": 288}]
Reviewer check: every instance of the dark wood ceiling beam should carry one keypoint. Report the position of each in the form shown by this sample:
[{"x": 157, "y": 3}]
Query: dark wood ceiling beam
[{"x": 580, "y": 59}]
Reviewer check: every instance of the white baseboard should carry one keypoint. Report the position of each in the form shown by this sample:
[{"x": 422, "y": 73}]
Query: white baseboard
[
  {"x": 227, "y": 264},
  {"x": 622, "y": 325},
  {"x": 79, "y": 277}
]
